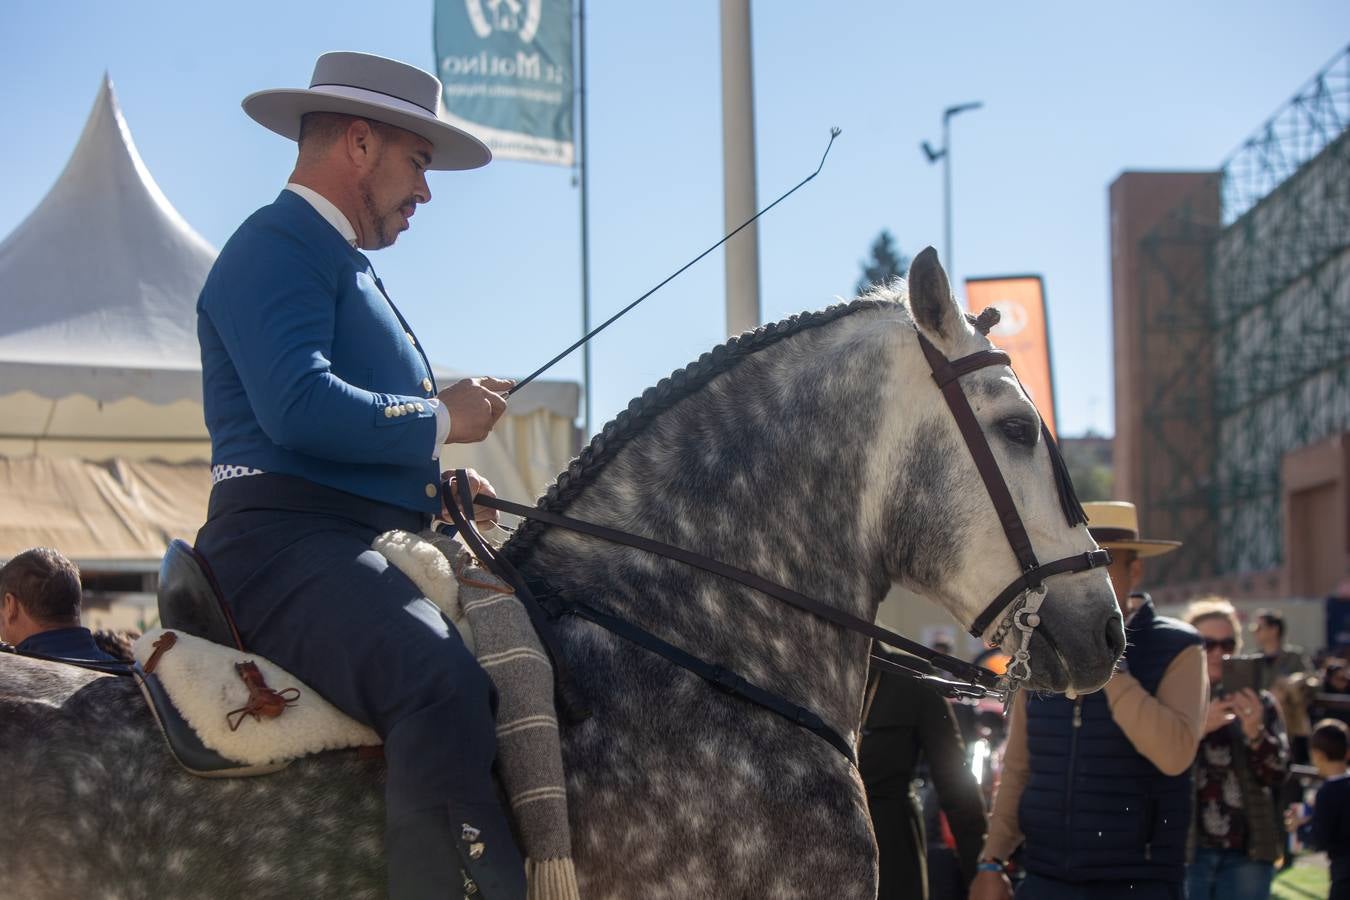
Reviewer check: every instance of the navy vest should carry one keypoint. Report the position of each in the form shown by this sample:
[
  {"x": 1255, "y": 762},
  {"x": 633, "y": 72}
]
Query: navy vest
[{"x": 1094, "y": 809}]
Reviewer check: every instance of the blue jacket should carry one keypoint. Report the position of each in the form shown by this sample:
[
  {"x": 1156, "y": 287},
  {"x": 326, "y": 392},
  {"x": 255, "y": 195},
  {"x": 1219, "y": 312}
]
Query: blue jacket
[
  {"x": 1094, "y": 808},
  {"x": 67, "y": 643},
  {"x": 308, "y": 369}
]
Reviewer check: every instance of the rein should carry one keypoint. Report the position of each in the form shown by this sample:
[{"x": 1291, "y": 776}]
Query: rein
[{"x": 981, "y": 680}]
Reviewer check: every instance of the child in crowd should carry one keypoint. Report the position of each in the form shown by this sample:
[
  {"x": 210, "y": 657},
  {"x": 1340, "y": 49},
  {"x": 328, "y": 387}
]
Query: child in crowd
[{"x": 1328, "y": 828}]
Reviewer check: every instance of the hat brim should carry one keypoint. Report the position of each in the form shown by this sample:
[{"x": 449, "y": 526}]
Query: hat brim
[
  {"x": 451, "y": 148},
  {"x": 1142, "y": 547}
]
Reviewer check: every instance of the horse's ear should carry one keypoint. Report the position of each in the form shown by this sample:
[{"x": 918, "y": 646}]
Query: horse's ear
[{"x": 930, "y": 295}]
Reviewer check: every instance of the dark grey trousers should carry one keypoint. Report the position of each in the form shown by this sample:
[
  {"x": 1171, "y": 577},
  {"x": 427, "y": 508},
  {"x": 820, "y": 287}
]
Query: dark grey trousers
[{"x": 295, "y": 564}]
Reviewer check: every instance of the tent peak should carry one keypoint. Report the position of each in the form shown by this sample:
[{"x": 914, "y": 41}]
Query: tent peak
[{"x": 104, "y": 272}]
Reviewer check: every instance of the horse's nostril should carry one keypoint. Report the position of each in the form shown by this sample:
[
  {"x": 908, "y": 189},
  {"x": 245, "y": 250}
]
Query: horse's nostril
[{"x": 1115, "y": 635}]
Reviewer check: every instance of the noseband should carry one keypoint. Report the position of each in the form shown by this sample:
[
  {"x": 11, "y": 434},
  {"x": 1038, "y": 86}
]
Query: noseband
[
  {"x": 1024, "y": 594},
  {"x": 1028, "y": 589}
]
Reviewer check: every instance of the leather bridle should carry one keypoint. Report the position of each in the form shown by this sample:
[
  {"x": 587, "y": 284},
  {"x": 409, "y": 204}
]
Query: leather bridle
[
  {"x": 1029, "y": 587},
  {"x": 1024, "y": 594}
]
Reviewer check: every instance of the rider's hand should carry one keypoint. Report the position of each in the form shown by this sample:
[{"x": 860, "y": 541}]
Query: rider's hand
[
  {"x": 990, "y": 886},
  {"x": 483, "y": 516},
  {"x": 475, "y": 405}
]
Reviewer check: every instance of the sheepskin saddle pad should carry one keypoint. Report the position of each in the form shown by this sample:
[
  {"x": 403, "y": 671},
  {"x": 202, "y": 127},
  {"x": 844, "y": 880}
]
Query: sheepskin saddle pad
[{"x": 229, "y": 713}]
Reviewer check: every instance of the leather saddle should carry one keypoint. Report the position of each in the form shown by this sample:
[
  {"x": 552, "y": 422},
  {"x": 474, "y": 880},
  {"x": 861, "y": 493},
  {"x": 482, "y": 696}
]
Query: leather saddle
[{"x": 191, "y": 601}]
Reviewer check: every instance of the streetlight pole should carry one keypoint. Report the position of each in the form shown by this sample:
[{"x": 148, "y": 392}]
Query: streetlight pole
[
  {"x": 945, "y": 154},
  {"x": 738, "y": 165}
]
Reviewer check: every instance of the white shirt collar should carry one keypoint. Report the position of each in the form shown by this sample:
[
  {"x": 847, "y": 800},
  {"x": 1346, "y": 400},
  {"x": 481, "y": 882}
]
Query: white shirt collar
[{"x": 324, "y": 207}]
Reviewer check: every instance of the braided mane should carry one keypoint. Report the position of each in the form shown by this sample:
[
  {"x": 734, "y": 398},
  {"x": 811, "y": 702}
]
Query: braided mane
[{"x": 642, "y": 410}]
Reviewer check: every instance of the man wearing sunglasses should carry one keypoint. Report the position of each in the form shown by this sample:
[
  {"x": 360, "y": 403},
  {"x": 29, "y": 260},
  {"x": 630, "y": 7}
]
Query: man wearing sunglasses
[{"x": 1098, "y": 788}]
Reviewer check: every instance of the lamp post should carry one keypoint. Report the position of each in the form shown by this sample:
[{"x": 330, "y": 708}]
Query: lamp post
[
  {"x": 738, "y": 165},
  {"x": 945, "y": 154}
]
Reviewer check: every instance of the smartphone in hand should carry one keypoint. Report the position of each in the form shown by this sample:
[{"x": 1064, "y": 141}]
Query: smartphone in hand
[{"x": 1243, "y": 672}]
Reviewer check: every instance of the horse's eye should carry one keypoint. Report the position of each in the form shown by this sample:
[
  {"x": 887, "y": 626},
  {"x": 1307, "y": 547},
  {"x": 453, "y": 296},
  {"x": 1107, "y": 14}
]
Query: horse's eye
[{"x": 1019, "y": 431}]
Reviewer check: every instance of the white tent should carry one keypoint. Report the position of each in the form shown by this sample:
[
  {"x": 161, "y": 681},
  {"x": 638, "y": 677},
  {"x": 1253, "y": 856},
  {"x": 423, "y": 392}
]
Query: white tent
[{"x": 102, "y": 441}]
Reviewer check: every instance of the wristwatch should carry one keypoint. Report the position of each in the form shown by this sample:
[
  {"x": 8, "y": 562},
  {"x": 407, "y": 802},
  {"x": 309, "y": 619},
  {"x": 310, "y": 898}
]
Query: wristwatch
[{"x": 992, "y": 864}]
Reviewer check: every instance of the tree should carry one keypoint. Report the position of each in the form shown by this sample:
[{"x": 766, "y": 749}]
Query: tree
[{"x": 886, "y": 263}]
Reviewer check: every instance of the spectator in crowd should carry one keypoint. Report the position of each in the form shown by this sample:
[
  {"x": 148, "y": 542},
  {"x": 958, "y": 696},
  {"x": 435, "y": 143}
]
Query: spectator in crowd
[
  {"x": 1242, "y": 759},
  {"x": 1279, "y": 664},
  {"x": 1328, "y": 829},
  {"x": 906, "y": 721},
  {"x": 1336, "y": 676},
  {"x": 1279, "y": 667},
  {"x": 1098, "y": 787},
  {"x": 1333, "y": 701},
  {"x": 40, "y": 607},
  {"x": 1278, "y": 660}
]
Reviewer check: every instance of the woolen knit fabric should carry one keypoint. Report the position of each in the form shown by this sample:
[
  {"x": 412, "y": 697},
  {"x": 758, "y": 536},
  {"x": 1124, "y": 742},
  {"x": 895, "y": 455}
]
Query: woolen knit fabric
[{"x": 529, "y": 749}]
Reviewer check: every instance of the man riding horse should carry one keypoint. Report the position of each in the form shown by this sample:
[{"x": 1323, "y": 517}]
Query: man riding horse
[{"x": 326, "y": 427}]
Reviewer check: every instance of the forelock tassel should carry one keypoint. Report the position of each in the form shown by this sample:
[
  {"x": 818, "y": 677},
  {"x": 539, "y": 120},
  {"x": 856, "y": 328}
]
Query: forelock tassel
[
  {"x": 986, "y": 320},
  {"x": 1068, "y": 498}
]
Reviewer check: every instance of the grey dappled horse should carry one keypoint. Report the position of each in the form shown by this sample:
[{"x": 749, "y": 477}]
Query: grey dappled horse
[{"x": 817, "y": 452}]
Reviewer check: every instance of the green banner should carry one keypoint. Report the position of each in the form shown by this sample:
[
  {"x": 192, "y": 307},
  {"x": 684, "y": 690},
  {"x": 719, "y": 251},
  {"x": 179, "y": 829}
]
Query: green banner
[{"x": 507, "y": 70}]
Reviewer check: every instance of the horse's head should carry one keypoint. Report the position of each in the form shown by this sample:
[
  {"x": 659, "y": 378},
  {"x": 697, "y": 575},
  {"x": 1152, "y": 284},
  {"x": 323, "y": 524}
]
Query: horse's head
[{"x": 944, "y": 537}]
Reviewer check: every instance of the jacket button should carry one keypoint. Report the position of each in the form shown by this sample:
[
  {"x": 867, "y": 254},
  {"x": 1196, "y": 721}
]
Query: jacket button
[
  {"x": 388, "y": 412},
  {"x": 431, "y": 490},
  {"x": 419, "y": 406},
  {"x": 426, "y": 385}
]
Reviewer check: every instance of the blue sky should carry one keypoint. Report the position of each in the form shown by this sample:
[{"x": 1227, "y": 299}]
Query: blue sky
[{"x": 1074, "y": 94}]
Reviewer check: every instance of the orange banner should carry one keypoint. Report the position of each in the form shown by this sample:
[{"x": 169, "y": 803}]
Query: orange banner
[{"x": 1023, "y": 332}]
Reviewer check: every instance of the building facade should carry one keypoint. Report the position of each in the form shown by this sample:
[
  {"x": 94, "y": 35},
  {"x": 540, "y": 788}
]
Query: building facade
[{"x": 1231, "y": 314}]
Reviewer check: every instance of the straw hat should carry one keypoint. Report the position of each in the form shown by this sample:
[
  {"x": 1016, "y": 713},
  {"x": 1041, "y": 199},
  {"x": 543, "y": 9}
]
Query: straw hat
[
  {"x": 371, "y": 87},
  {"x": 1114, "y": 524}
]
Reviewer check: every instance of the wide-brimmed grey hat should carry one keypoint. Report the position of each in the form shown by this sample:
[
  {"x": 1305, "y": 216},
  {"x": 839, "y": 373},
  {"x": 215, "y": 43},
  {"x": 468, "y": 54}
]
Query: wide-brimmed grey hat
[{"x": 372, "y": 87}]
